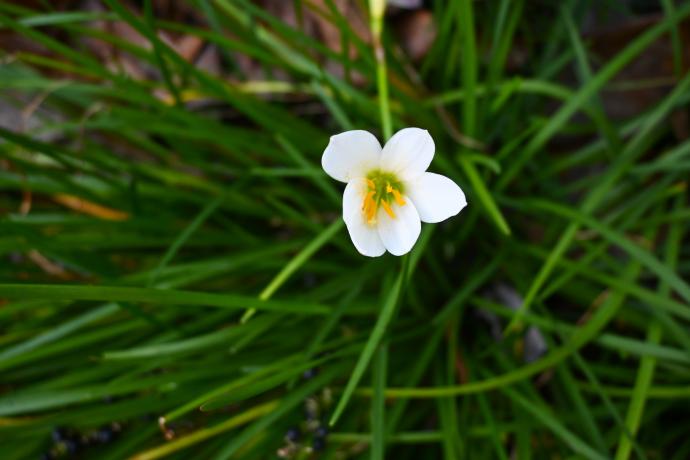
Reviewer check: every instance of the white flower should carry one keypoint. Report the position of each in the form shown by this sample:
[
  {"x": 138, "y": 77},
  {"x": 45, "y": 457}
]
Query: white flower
[{"x": 388, "y": 190}]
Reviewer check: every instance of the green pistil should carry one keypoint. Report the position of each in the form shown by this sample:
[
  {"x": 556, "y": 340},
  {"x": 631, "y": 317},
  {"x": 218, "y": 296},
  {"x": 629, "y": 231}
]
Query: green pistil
[{"x": 381, "y": 181}]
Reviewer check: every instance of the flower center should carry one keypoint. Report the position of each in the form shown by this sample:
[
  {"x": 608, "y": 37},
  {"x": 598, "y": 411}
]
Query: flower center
[{"x": 382, "y": 189}]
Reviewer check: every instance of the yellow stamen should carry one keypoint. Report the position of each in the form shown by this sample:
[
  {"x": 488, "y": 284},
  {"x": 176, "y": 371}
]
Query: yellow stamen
[
  {"x": 371, "y": 215},
  {"x": 370, "y": 212},
  {"x": 368, "y": 198},
  {"x": 369, "y": 206},
  {"x": 387, "y": 208},
  {"x": 382, "y": 188},
  {"x": 398, "y": 197}
]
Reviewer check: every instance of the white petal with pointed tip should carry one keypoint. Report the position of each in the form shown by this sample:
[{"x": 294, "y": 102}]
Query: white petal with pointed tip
[
  {"x": 436, "y": 197},
  {"x": 399, "y": 234},
  {"x": 408, "y": 153},
  {"x": 365, "y": 237},
  {"x": 351, "y": 155}
]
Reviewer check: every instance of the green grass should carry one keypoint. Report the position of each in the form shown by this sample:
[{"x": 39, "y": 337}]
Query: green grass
[{"x": 173, "y": 261}]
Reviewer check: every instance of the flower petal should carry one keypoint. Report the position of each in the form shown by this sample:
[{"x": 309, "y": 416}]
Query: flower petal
[
  {"x": 364, "y": 236},
  {"x": 436, "y": 197},
  {"x": 408, "y": 153},
  {"x": 399, "y": 234},
  {"x": 350, "y": 155}
]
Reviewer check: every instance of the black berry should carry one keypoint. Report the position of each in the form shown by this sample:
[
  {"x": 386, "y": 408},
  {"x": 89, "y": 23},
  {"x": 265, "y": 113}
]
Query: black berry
[
  {"x": 104, "y": 435},
  {"x": 319, "y": 444},
  {"x": 58, "y": 434},
  {"x": 310, "y": 373},
  {"x": 292, "y": 434},
  {"x": 71, "y": 446}
]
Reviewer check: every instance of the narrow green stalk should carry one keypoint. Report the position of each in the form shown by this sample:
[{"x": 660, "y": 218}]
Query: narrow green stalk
[
  {"x": 421, "y": 437},
  {"x": 469, "y": 113},
  {"x": 378, "y": 403},
  {"x": 585, "y": 74},
  {"x": 640, "y": 393},
  {"x": 632, "y": 150},
  {"x": 448, "y": 407},
  {"x": 483, "y": 194},
  {"x": 378, "y": 424},
  {"x": 676, "y": 43},
  {"x": 291, "y": 267},
  {"x": 165, "y": 297},
  {"x": 184, "y": 236},
  {"x": 59, "y": 331},
  {"x": 374, "y": 340},
  {"x": 233, "y": 422},
  {"x": 583, "y": 96},
  {"x": 555, "y": 425},
  {"x": 645, "y": 373},
  {"x": 468, "y": 66},
  {"x": 581, "y": 337},
  {"x": 376, "y": 10}
]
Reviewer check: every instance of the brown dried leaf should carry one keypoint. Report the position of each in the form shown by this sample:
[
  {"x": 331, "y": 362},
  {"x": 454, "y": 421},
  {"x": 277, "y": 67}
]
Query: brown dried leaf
[{"x": 90, "y": 208}]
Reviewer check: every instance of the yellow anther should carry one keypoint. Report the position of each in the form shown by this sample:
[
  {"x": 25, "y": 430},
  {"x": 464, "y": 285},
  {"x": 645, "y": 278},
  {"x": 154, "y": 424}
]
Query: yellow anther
[
  {"x": 398, "y": 198},
  {"x": 368, "y": 198},
  {"x": 370, "y": 212},
  {"x": 383, "y": 188},
  {"x": 369, "y": 206},
  {"x": 387, "y": 208}
]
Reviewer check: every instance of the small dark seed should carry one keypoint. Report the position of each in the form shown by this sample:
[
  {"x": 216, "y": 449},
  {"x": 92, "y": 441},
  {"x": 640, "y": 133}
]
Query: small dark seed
[
  {"x": 104, "y": 435},
  {"x": 71, "y": 446},
  {"x": 319, "y": 444},
  {"x": 310, "y": 373},
  {"x": 292, "y": 434},
  {"x": 58, "y": 434}
]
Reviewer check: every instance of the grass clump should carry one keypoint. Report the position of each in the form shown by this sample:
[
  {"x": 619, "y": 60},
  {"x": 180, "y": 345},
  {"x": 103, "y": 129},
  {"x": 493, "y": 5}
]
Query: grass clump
[{"x": 176, "y": 279}]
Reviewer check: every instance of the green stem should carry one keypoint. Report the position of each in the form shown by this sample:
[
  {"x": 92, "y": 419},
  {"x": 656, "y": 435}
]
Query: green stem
[
  {"x": 581, "y": 337},
  {"x": 645, "y": 373},
  {"x": 376, "y": 24},
  {"x": 469, "y": 113},
  {"x": 292, "y": 266},
  {"x": 373, "y": 342},
  {"x": 182, "y": 239},
  {"x": 378, "y": 405},
  {"x": 634, "y": 148},
  {"x": 206, "y": 433}
]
